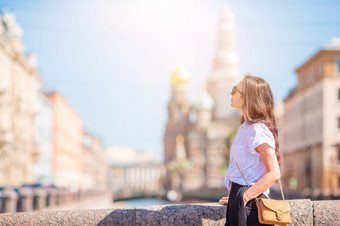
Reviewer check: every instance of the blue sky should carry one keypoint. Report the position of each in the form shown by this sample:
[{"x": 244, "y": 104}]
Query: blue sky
[{"x": 112, "y": 59}]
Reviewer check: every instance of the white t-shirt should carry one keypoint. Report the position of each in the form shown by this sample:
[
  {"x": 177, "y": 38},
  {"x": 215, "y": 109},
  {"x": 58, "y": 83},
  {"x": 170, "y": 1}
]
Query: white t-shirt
[{"x": 243, "y": 152}]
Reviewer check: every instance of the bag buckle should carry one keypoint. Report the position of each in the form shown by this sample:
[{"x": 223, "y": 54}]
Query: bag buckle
[{"x": 279, "y": 214}]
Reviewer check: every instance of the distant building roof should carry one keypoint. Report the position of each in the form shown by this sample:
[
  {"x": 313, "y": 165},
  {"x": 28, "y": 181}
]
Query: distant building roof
[{"x": 334, "y": 44}]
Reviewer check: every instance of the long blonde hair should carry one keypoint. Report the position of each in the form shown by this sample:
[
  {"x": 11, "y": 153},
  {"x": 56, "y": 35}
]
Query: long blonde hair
[{"x": 258, "y": 106}]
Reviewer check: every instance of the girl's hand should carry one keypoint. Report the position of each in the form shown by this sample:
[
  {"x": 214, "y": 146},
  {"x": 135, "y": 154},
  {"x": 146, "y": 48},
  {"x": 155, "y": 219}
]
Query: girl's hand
[
  {"x": 245, "y": 199},
  {"x": 224, "y": 200}
]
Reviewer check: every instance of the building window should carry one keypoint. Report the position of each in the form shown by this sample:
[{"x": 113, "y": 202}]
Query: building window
[
  {"x": 338, "y": 153},
  {"x": 339, "y": 122},
  {"x": 193, "y": 116},
  {"x": 339, "y": 94},
  {"x": 338, "y": 63}
]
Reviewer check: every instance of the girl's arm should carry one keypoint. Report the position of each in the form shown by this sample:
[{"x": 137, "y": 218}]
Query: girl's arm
[{"x": 268, "y": 156}]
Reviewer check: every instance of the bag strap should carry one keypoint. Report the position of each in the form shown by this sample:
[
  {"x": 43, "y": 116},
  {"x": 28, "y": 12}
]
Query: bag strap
[{"x": 283, "y": 197}]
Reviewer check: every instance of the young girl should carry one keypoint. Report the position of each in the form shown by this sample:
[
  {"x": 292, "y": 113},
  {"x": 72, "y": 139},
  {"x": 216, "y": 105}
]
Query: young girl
[{"x": 255, "y": 151}]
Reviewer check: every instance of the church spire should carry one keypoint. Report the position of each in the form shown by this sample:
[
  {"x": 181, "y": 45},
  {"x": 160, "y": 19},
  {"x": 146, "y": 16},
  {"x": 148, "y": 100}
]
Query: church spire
[
  {"x": 226, "y": 62},
  {"x": 226, "y": 71}
]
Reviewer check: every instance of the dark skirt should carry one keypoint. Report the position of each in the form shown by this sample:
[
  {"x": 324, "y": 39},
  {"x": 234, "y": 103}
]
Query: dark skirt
[{"x": 237, "y": 213}]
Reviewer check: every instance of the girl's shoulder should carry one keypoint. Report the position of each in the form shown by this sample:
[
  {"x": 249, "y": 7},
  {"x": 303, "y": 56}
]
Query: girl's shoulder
[
  {"x": 259, "y": 133},
  {"x": 259, "y": 129},
  {"x": 259, "y": 126}
]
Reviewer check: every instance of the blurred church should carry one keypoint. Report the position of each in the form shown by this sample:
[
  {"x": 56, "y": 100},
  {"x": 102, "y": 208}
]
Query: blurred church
[{"x": 196, "y": 133}]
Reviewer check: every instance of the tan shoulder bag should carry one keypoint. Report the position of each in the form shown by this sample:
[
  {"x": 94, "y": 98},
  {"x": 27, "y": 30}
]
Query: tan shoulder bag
[{"x": 272, "y": 211}]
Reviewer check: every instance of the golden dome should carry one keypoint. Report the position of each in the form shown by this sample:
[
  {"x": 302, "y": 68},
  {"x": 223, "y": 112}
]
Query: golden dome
[{"x": 179, "y": 76}]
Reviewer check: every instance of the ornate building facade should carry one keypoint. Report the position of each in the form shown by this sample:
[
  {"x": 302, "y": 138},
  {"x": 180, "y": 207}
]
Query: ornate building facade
[
  {"x": 205, "y": 124},
  {"x": 94, "y": 169},
  {"x": 67, "y": 143},
  {"x": 18, "y": 106},
  {"x": 43, "y": 169},
  {"x": 310, "y": 126}
]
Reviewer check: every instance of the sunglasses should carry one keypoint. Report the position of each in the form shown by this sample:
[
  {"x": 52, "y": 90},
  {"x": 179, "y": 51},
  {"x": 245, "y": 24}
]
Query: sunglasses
[{"x": 233, "y": 91}]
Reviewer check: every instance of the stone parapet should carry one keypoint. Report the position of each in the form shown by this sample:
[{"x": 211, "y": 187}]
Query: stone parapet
[
  {"x": 39, "y": 199},
  {"x": 304, "y": 212},
  {"x": 25, "y": 200},
  {"x": 8, "y": 200},
  {"x": 326, "y": 212}
]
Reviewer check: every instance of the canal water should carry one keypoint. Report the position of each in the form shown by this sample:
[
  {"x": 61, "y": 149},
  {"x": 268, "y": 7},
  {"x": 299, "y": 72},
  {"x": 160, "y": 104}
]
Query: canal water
[
  {"x": 152, "y": 201},
  {"x": 105, "y": 202},
  {"x": 145, "y": 202}
]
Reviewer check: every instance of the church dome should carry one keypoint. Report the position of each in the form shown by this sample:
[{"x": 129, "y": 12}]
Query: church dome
[
  {"x": 179, "y": 76},
  {"x": 205, "y": 101}
]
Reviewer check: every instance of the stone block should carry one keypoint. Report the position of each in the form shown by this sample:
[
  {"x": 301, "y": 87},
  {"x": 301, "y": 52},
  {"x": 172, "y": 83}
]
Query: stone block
[
  {"x": 114, "y": 217},
  {"x": 301, "y": 212},
  {"x": 326, "y": 212},
  {"x": 70, "y": 217},
  {"x": 195, "y": 214}
]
